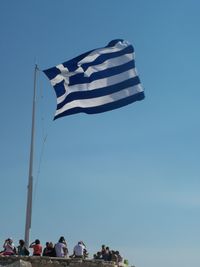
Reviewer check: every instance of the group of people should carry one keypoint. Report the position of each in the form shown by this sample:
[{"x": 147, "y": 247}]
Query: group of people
[
  {"x": 10, "y": 249},
  {"x": 108, "y": 255},
  {"x": 58, "y": 250}
]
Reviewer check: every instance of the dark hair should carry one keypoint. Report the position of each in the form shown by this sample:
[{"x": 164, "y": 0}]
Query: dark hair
[
  {"x": 37, "y": 241},
  {"x": 21, "y": 242},
  {"x": 62, "y": 239}
]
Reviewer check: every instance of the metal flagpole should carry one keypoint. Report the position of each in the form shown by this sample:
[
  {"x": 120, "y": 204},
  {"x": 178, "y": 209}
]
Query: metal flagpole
[{"x": 30, "y": 178}]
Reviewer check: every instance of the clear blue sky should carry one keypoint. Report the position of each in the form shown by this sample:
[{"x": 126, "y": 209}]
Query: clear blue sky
[{"x": 128, "y": 178}]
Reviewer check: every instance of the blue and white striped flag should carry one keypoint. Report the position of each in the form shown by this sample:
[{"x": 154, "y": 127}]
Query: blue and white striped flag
[{"x": 97, "y": 81}]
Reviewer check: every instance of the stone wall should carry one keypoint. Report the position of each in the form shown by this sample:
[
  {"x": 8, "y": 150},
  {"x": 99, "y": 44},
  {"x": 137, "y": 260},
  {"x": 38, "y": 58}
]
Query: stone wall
[{"x": 17, "y": 261}]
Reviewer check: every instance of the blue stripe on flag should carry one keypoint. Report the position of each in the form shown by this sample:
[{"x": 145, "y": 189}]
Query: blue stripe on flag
[
  {"x": 52, "y": 72},
  {"x": 59, "y": 88}
]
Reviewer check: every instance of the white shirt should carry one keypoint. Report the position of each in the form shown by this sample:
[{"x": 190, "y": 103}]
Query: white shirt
[
  {"x": 79, "y": 250},
  {"x": 60, "y": 247}
]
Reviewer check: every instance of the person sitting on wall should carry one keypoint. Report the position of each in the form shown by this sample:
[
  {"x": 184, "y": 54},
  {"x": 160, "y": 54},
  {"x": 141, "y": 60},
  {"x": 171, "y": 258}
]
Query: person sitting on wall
[
  {"x": 80, "y": 251},
  {"x": 119, "y": 257},
  {"x": 98, "y": 256},
  {"x": 9, "y": 248},
  {"x": 113, "y": 256},
  {"x": 85, "y": 253},
  {"x": 103, "y": 251},
  {"x": 107, "y": 255},
  {"x": 21, "y": 249},
  {"x": 49, "y": 250},
  {"x": 37, "y": 248},
  {"x": 61, "y": 248}
]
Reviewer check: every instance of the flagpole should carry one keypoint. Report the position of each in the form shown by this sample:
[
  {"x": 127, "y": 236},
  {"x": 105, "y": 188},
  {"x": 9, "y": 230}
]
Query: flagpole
[{"x": 30, "y": 178}]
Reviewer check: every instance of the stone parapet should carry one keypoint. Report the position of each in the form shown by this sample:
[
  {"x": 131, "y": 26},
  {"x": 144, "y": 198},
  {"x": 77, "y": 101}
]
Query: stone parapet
[{"x": 18, "y": 261}]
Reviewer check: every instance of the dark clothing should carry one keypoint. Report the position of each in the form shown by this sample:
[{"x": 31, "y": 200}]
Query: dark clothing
[
  {"x": 49, "y": 252},
  {"x": 22, "y": 251}
]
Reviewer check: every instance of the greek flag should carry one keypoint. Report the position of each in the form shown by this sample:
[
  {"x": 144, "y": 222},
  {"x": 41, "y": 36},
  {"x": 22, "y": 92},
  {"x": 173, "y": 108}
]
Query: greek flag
[{"x": 97, "y": 81}]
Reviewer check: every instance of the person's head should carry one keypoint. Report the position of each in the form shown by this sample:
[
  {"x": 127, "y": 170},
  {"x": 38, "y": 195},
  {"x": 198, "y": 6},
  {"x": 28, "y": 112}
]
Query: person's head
[
  {"x": 37, "y": 241},
  {"x": 107, "y": 248},
  {"x": 50, "y": 245},
  {"x": 21, "y": 242},
  {"x": 103, "y": 247},
  {"x": 47, "y": 244},
  {"x": 62, "y": 239},
  {"x": 9, "y": 240}
]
